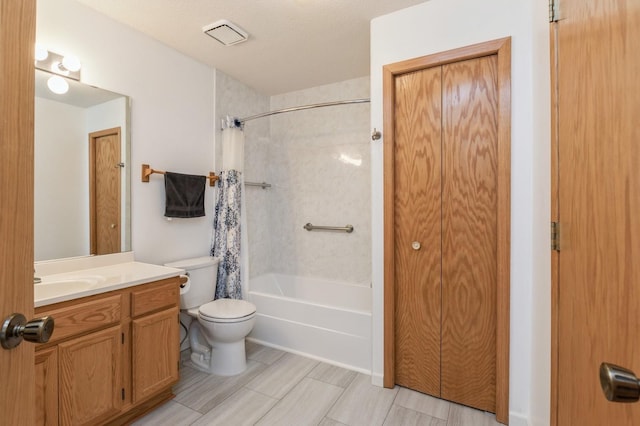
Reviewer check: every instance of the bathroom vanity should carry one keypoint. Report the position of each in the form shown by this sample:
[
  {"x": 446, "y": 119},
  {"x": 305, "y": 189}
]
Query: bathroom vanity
[{"x": 114, "y": 352}]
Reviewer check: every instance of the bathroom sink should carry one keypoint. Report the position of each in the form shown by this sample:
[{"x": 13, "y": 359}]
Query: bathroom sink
[{"x": 59, "y": 287}]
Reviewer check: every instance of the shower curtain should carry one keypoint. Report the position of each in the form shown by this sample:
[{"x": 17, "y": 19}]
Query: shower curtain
[{"x": 229, "y": 242}]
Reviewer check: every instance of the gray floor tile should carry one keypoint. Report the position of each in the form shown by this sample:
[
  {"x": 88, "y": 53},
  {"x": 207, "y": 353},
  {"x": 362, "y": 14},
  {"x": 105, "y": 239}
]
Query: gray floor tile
[
  {"x": 205, "y": 394},
  {"x": 282, "y": 375},
  {"x": 305, "y": 404},
  {"x": 169, "y": 414},
  {"x": 362, "y": 403},
  {"x": 333, "y": 375},
  {"x": 460, "y": 415},
  {"x": 328, "y": 422},
  {"x": 422, "y": 403},
  {"x": 263, "y": 354},
  {"x": 188, "y": 377},
  {"x": 400, "y": 416},
  {"x": 243, "y": 408}
]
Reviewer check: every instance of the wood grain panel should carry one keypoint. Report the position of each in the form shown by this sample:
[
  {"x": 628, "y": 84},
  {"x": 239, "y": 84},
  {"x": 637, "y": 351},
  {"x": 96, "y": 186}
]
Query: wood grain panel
[
  {"x": 92, "y": 362},
  {"x": 46, "y": 406},
  {"x": 17, "y": 40},
  {"x": 161, "y": 294},
  {"x": 417, "y": 219},
  {"x": 155, "y": 366},
  {"x": 469, "y": 238},
  {"x": 599, "y": 157},
  {"x": 78, "y": 318},
  {"x": 105, "y": 191}
]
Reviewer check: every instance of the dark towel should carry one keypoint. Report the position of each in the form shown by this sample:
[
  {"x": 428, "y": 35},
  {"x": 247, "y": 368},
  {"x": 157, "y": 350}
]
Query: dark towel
[{"x": 185, "y": 195}]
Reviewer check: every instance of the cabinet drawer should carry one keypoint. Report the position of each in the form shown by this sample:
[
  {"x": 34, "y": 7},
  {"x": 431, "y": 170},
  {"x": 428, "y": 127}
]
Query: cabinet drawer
[
  {"x": 155, "y": 296},
  {"x": 84, "y": 317}
]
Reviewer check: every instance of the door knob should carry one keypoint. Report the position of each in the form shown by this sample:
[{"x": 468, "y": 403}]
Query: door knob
[
  {"x": 15, "y": 328},
  {"x": 619, "y": 384}
]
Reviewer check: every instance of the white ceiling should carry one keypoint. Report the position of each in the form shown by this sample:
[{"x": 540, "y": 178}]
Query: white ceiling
[{"x": 293, "y": 44}]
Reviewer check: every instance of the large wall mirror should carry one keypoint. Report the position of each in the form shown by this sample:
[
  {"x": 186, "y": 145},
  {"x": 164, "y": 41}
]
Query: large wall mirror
[{"x": 82, "y": 171}]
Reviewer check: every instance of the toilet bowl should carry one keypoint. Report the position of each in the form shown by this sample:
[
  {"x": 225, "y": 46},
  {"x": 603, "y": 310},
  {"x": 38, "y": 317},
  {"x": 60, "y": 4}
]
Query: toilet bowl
[{"x": 219, "y": 327}]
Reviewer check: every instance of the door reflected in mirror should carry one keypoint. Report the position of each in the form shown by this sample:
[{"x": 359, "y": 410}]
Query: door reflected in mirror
[{"x": 82, "y": 171}]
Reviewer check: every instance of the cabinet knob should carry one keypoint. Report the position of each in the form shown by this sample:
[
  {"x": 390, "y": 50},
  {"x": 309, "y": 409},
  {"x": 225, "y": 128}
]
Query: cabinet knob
[
  {"x": 415, "y": 245},
  {"x": 15, "y": 328}
]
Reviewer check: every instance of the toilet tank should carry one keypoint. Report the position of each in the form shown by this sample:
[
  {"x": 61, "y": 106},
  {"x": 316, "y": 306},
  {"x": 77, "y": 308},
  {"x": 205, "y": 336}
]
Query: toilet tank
[{"x": 203, "y": 275}]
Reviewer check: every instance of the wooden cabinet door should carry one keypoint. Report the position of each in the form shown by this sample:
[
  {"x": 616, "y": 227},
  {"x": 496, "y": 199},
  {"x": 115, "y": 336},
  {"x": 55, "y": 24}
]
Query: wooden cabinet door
[
  {"x": 156, "y": 352},
  {"x": 47, "y": 387},
  {"x": 91, "y": 377}
]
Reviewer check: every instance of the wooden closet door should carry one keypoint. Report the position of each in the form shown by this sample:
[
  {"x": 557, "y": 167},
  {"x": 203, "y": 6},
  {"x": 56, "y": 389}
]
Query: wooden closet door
[
  {"x": 417, "y": 213},
  {"x": 469, "y": 237}
]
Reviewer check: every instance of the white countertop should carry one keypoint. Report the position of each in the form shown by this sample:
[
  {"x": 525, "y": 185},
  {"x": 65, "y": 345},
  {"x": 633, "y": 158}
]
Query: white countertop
[{"x": 60, "y": 287}]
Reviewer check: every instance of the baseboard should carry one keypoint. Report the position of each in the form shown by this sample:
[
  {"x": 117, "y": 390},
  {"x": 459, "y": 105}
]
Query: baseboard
[
  {"x": 517, "y": 419},
  {"x": 308, "y": 355},
  {"x": 377, "y": 380}
]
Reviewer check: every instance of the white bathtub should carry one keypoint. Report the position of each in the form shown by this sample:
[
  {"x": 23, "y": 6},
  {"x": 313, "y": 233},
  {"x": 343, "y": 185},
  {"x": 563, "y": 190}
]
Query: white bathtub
[{"x": 326, "y": 320}]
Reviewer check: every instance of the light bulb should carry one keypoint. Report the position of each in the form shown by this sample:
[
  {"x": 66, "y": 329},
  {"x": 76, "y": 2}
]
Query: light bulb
[
  {"x": 41, "y": 53},
  {"x": 72, "y": 63},
  {"x": 58, "y": 85}
]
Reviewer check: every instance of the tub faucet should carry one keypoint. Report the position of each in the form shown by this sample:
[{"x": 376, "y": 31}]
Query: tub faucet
[{"x": 36, "y": 280}]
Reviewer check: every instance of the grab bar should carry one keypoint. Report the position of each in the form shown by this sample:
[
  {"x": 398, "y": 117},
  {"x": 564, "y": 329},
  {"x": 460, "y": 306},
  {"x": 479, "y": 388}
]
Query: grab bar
[
  {"x": 263, "y": 185},
  {"x": 348, "y": 229}
]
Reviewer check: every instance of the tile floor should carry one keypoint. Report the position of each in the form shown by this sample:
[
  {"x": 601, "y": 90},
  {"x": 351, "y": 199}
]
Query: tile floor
[{"x": 279, "y": 388}]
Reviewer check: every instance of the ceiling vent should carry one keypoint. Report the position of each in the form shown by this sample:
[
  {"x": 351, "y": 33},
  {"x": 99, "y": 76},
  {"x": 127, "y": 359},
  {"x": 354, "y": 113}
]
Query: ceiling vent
[{"x": 226, "y": 32}]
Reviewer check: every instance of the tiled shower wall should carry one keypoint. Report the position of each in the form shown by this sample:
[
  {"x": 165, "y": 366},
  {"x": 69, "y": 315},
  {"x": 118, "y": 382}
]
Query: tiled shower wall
[
  {"x": 318, "y": 164},
  {"x": 320, "y": 168}
]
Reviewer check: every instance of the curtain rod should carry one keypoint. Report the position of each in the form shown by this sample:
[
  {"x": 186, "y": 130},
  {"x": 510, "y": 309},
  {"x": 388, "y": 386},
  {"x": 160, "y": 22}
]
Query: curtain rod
[{"x": 239, "y": 122}]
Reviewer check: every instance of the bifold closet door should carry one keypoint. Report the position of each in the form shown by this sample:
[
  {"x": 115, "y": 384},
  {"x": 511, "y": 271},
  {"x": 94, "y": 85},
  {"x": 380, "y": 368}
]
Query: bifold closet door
[
  {"x": 418, "y": 230},
  {"x": 445, "y": 211},
  {"x": 469, "y": 231}
]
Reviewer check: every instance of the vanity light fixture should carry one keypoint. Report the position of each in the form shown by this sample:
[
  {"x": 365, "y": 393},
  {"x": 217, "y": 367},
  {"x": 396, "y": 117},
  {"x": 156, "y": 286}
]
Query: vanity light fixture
[
  {"x": 58, "y": 85},
  {"x": 61, "y": 66}
]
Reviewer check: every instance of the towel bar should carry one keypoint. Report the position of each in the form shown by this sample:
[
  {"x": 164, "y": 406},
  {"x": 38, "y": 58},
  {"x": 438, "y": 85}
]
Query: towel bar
[{"x": 148, "y": 171}]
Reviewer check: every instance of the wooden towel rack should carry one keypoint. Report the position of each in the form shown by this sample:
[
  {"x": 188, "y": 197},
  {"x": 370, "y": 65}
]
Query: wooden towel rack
[{"x": 148, "y": 171}]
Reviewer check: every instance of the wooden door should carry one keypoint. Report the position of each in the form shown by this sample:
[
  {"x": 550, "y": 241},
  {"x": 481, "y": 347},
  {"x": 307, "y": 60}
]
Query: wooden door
[
  {"x": 597, "y": 287},
  {"x": 155, "y": 366},
  {"x": 105, "y": 211},
  {"x": 469, "y": 231},
  {"x": 447, "y": 225},
  {"x": 417, "y": 207},
  {"x": 17, "y": 41},
  {"x": 90, "y": 377}
]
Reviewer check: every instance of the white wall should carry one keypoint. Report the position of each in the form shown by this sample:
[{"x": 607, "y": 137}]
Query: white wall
[
  {"x": 61, "y": 152},
  {"x": 440, "y": 25},
  {"x": 172, "y": 122},
  {"x": 541, "y": 284},
  {"x": 320, "y": 161}
]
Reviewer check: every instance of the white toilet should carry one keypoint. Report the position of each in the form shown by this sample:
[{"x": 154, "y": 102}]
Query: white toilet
[{"x": 217, "y": 337}]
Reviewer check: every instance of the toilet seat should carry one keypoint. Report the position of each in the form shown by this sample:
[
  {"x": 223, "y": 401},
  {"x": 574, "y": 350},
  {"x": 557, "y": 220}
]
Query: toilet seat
[{"x": 227, "y": 311}]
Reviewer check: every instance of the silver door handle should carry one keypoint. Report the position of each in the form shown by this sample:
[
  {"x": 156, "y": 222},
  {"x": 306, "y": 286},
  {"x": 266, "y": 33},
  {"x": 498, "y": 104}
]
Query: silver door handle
[
  {"x": 618, "y": 383},
  {"x": 15, "y": 328}
]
